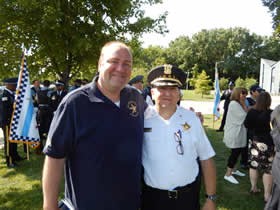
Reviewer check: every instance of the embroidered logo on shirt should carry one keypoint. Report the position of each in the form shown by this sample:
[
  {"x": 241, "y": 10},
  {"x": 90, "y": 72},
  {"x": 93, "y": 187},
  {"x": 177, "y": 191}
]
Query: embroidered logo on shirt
[
  {"x": 186, "y": 126},
  {"x": 132, "y": 108}
]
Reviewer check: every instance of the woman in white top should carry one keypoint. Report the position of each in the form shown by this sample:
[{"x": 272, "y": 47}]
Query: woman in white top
[{"x": 235, "y": 134}]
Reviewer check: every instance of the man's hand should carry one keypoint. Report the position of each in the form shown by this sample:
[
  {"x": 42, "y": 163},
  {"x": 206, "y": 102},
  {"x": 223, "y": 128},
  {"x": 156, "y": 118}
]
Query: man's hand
[
  {"x": 209, "y": 205},
  {"x": 198, "y": 114}
]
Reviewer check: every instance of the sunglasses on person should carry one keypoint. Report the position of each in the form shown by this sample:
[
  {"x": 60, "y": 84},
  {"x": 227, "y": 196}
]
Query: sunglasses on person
[
  {"x": 178, "y": 139},
  {"x": 244, "y": 92}
]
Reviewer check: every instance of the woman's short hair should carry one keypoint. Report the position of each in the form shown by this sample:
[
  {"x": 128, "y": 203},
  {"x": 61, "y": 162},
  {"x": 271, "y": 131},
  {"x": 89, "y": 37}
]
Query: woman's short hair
[
  {"x": 235, "y": 95},
  {"x": 263, "y": 101}
]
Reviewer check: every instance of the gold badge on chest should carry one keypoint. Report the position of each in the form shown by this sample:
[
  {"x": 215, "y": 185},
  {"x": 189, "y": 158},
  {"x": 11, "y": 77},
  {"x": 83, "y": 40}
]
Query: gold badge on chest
[{"x": 186, "y": 126}]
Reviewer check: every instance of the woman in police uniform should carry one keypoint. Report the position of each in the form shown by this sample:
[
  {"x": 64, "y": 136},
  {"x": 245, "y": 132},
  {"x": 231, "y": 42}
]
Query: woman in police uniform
[{"x": 173, "y": 142}]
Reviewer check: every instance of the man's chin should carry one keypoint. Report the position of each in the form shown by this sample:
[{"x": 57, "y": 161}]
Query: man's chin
[{"x": 118, "y": 85}]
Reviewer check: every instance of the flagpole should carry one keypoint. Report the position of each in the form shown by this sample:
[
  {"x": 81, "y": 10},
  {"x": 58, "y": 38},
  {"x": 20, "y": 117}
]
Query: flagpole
[
  {"x": 27, "y": 151},
  {"x": 8, "y": 144},
  {"x": 213, "y": 120}
]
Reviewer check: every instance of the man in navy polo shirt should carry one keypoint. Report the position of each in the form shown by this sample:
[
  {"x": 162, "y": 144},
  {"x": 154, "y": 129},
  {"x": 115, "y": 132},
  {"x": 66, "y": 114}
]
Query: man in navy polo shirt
[{"x": 96, "y": 136}]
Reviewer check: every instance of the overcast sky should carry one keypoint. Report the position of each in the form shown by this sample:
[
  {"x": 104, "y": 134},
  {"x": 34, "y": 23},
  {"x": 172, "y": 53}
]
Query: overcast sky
[{"x": 187, "y": 17}]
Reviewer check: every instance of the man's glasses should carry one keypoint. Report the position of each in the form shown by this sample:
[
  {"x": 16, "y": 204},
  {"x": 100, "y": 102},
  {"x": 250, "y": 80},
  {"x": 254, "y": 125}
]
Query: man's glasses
[{"x": 178, "y": 138}]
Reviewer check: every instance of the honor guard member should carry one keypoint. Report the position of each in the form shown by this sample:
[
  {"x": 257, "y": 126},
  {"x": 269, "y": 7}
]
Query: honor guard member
[
  {"x": 226, "y": 96},
  {"x": 7, "y": 107},
  {"x": 137, "y": 83},
  {"x": 174, "y": 141},
  {"x": 58, "y": 94},
  {"x": 77, "y": 84},
  {"x": 45, "y": 113},
  {"x": 96, "y": 135},
  {"x": 36, "y": 86}
]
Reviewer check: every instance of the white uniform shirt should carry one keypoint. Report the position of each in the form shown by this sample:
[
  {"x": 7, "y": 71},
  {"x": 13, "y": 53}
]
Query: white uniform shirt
[{"x": 164, "y": 168}]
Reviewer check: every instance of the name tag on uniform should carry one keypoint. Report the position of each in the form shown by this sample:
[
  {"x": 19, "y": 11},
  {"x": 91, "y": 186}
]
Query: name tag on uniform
[
  {"x": 147, "y": 129},
  {"x": 4, "y": 98}
]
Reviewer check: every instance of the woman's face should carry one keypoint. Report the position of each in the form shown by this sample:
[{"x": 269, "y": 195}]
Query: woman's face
[{"x": 243, "y": 95}]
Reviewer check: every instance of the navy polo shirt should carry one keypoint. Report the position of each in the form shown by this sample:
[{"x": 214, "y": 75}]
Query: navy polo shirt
[{"x": 102, "y": 145}]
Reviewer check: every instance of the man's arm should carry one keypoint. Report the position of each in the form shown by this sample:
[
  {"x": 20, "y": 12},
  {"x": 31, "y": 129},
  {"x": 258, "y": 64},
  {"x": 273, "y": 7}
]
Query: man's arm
[
  {"x": 209, "y": 177},
  {"x": 52, "y": 174}
]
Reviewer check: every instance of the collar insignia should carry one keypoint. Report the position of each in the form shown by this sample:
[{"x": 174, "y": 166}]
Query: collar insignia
[
  {"x": 186, "y": 126},
  {"x": 132, "y": 108}
]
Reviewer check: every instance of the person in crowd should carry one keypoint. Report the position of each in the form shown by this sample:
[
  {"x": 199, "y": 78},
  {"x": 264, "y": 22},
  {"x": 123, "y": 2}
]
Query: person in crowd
[
  {"x": 274, "y": 200},
  {"x": 45, "y": 113},
  {"x": 6, "y": 104},
  {"x": 255, "y": 90},
  {"x": 147, "y": 93},
  {"x": 84, "y": 82},
  {"x": 174, "y": 147},
  {"x": 77, "y": 84},
  {"x": 226, "y": 96},
  {"x": 235, "y": 135},
  {"x": 137, "y": 83},
  {"x": 58, "y": 94},
  {"x": 261, "y": 147},
  {"x": 96, "y": 135},
  {"x": 36, "y": 86}
]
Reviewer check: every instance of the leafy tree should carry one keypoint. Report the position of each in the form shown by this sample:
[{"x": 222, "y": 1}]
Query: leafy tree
[
  {"x": 151, "y": 57},
  {"x": 274, "y": 7},
  {"x": 179, "y": 53},
  {"x": 235, "y": 46},
  {"x": 65, "y": 37},
  {"x": 223, "y": 82},
  {"x": 239, "y": 82},
  {"x": 194, "y": 75},
  {"x": 202, "y": 84},
  {"x": 249, "y": 82},
  {"x": 271, "y": 48}
]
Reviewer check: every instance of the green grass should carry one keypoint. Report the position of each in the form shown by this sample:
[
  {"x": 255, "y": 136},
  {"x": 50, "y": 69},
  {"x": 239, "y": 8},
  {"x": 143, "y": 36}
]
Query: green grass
[
  {"x": 191, "y": 95},
  {"x": 20, "y": 188}
]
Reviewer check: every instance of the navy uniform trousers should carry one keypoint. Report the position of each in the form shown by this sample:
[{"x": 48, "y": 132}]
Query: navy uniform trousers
[
  {"x": 10, "y": 149},
  {"x": 181, "y": 198}
]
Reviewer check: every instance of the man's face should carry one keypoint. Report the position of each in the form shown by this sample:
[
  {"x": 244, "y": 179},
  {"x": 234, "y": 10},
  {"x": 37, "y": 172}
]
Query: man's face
[
  {"x": 59, "y": 87},
  {"x": 166, "y": 96},
  {"x": 255, "y": 94},
  {"x": 115, "y": 68},
  {"x": 36, "y": 83},
  {"x": 11, "y": 87},
  {"x": 138, "y": 85}
]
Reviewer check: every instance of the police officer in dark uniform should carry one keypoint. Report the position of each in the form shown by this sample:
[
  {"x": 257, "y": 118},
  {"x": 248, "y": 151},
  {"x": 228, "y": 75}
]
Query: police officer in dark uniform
[
  {"x": 7, "y": 102},
  {"x": 226, "y": 96},
  {"x": 45, "y": 114},
  {"x": 77, "y": 84},
  {"x": 34, "y": 89},
  {"x": 137, "y": 83},
  {"x": 58, "y": 94}
]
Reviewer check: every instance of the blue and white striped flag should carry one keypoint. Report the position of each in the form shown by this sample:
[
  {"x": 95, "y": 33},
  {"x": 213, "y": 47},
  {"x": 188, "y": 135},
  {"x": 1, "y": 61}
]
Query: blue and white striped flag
[
  {"x": 24, "y": 126},
  {"x": 216, "y": 109}
]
